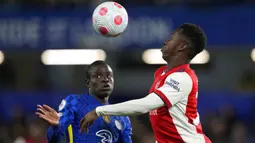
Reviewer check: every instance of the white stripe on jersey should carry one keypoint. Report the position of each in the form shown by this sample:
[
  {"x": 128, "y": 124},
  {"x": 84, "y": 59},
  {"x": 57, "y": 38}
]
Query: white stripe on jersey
[{"x": 187, "y": 131}]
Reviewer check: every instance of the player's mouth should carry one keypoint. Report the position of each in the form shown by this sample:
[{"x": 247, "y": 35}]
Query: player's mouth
[
  {"x": 163, "y": 47},
  {"x": 106, "y": 87},
  {"x": 162, "y": 50}
]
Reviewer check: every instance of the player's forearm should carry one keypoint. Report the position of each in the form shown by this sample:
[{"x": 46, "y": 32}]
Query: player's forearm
[{"x": 132, "y": 107}]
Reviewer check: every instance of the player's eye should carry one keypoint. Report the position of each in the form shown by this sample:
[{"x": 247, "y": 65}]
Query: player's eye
[
  {"x": 110, "y": 76},
  {"x": 97, "y": 76}
]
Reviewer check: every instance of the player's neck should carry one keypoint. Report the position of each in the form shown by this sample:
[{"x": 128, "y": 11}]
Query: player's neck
[
  {"x": 103, "y": 100},
  {"x": 176, "y": 62}
]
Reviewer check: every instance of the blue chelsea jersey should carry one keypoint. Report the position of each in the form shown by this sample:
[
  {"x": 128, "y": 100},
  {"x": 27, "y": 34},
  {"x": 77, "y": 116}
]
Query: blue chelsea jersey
[{"x": 71, "y": 111}]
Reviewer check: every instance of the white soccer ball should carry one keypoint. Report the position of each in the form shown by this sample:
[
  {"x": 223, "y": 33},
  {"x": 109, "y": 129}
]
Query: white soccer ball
[{"x": 110, "y": 19}]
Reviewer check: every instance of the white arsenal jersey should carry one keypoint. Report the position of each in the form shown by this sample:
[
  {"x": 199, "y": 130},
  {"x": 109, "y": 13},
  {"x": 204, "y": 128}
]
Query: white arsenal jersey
[{"x": 178, "y": 121}]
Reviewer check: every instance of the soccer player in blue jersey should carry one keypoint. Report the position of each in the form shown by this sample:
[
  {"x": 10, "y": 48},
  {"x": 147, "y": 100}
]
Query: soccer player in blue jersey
[{"x": 65, "y": 122}]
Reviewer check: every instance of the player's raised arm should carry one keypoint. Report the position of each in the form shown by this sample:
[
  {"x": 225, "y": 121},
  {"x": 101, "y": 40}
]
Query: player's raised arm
[{"x": 59, "y": 121}]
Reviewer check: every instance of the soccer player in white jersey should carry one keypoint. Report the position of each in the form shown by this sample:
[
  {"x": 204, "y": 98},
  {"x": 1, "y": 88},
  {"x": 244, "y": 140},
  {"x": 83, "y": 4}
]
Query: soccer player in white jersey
[{"x": 172, "y": 100}]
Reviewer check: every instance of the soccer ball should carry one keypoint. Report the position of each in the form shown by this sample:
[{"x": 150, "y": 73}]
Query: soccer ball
[{"x": 110, "y": 19}]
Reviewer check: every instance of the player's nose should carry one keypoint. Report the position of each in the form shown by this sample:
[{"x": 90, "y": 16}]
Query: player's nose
[{"x": 105, "y": 79}]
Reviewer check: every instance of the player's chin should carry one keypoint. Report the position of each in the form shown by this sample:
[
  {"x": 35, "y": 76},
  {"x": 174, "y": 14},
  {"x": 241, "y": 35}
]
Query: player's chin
[
  {"x": 164, "y": 57},
  {"x": 105, "y": 93}
]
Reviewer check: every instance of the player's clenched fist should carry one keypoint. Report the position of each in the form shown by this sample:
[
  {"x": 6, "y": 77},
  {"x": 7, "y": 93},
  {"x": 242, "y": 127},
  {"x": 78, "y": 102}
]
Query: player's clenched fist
[{"x": 48, "y": 114}]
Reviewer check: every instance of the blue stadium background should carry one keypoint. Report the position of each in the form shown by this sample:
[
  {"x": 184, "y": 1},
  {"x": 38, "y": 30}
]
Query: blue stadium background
[{"x": 28, "y": 28}]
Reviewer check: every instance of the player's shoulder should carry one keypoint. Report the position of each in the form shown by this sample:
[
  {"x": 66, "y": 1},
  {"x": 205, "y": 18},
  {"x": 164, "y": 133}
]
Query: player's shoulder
[
  {"x": 72, "y": 98},
  {"x": 125, "y": 118},
  {"x": 69, "y": 101},
  {"x": 180, "y": 76},
  {"x": 123, "y": 121}
]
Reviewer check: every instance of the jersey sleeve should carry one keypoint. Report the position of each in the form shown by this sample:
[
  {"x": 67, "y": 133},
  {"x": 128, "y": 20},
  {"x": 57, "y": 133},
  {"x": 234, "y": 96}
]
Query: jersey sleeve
[
  {"x": 132, "y": 107},
  {"x": 56, "y": 134},
  {"x": 126, "y": 136},
  {"x": 177, "y": 86}
]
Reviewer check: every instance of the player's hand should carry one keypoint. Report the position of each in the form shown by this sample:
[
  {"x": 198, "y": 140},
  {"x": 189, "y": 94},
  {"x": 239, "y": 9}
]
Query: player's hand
[
  {"x": 48, "y": 114},
  {"x": 88, "y": 120}
]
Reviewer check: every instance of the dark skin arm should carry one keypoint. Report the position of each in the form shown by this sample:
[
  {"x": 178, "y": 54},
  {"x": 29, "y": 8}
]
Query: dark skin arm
[{"x": 89, "y": 119}]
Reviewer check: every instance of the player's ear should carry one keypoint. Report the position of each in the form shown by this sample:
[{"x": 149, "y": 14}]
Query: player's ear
[
  {"x": 87, "y": 83},
  {"x": 182, "y": 46}
]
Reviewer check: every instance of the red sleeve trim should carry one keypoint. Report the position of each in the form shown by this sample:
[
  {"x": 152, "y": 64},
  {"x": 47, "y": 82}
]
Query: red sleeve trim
[{"x": 164, "y": 98}]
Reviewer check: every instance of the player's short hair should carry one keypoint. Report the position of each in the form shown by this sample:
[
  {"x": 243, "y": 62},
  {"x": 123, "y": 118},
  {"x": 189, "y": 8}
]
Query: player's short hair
[
  {"x": 94, "y": 64},
  {"x": 196, "y": 37}
]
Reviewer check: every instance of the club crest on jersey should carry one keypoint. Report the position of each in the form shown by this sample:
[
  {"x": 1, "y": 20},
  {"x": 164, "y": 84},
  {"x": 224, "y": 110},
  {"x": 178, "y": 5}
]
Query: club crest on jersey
[
  {"x": 118, "y": 125},
  {"x": 105, "y": 135}
]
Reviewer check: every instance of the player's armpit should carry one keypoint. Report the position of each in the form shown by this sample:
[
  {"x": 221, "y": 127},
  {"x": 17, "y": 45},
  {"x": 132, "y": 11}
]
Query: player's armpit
[{"x": 177, "y": 86}]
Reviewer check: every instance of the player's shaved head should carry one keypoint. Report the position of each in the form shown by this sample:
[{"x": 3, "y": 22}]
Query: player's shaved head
[
  {"x": 93, "y": 65},
  {"x": 99, "y": 80},
  {"x": 196, "y": 38}
]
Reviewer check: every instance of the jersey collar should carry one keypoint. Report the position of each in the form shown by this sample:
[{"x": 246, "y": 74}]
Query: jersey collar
[
  {"x": 180, "y": 68},
  {"x": 95, "y": 100}
]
